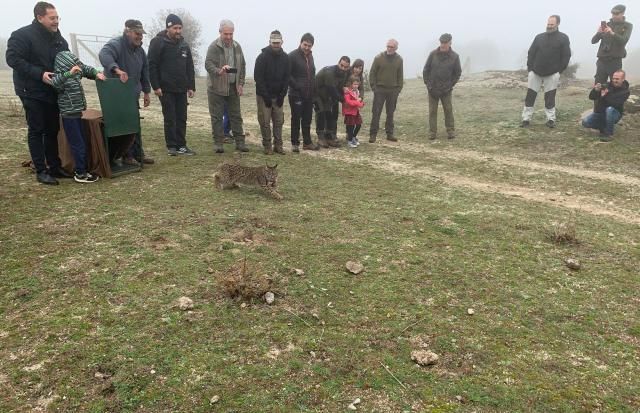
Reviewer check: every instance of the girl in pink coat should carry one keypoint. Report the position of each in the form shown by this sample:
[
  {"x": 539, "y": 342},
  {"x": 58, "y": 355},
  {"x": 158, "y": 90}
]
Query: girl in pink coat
[{"x": 351, "y": 111}]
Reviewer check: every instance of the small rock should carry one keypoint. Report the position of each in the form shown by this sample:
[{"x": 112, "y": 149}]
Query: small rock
[
  {"x": 459, "y": 398},
  {"x": 572, "y": 264},
  {"x": 352, "y": 407},
  {"x": 298, "y": 272},
  {"x": 215, "y": 399},
  {"x": 354, "y": 267},
  {"x": 611, "y": 234},
  {"x": 471, "y": 311},
  {"x": 243, "y": 305},
  {"x": 356, "y": 401},
  {"x": 424, "y": 357},
  {"x": 269, "y": 297},
  {"x": 185, "y": 303},
  {"x": 210, "y": 270}
]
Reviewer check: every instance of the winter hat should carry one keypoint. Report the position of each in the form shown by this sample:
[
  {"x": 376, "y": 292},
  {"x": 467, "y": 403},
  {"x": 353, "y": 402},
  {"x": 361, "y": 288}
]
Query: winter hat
[
  {"x": 134, "y": 26},
  {"x": 172, "y": 20},
  {"x": 275, "y": 37},
  {"x": 445, "y": 38},
  {"x": 620, "y": 8}
]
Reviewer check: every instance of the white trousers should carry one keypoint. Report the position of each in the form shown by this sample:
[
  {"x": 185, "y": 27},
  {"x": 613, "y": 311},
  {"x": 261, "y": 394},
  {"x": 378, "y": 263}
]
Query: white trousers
[{"x": 535, "y": 83}]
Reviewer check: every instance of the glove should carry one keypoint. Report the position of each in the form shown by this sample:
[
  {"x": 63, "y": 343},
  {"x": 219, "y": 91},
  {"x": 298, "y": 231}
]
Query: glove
[
  {"x": 280, "y": 101},
  {"x": 267, "y": 102}
]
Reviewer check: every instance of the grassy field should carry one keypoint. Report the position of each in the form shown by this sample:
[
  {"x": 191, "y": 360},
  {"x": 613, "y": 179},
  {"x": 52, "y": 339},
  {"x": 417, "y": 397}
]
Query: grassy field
[{"x": 91, "y": 273}]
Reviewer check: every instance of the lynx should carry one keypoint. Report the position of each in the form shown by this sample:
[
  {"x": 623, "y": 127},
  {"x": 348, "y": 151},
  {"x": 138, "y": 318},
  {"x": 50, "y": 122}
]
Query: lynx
[{"x": 229, "y": 175}]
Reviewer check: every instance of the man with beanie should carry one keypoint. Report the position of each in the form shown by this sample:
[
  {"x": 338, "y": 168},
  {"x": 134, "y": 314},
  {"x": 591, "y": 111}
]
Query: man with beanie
[
  {"x": 172, "y": 77},
  {"x": 548, "y": 56},
  {"x": 328, "y": 95},
  {"x": 226, "y": 70},
  {"x": 271, "y": 74},
  {"x": 386, "y": 78},
  {"x": 301, "y": 81},
  {"x": 123, "y": 57},
  {"x": 441, "y": 73},
  {"x": 31, "y": 51},
  {"x": 613, "y": 37}
]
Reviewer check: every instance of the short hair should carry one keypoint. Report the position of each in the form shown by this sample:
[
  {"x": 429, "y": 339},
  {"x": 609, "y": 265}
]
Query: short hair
[
  {"x": 41, "y": 8},
  {"x": 345, "y": 58},
  {"x": 354, "y": 79},
  {"x": 555, "y": 16},
  {"x": 307, "y": 37},
  {"x": 358, "y": 63},
  {"x": 394, "y": 41},
  {"x": 624, "y": 74},
  {"x": 226, "y": 23}
]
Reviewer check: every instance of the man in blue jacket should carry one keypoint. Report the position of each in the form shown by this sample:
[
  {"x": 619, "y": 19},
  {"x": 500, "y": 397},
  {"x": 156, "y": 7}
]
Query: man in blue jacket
[
  {"x": 548, "y": 56},
  {"x": 31, "y": 51}
]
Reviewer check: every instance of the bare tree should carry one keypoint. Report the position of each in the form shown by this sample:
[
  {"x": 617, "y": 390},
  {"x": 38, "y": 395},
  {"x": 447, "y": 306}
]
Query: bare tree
[
  {"x": 3, "y": 52},
  {"x": 191, "y": 30}
]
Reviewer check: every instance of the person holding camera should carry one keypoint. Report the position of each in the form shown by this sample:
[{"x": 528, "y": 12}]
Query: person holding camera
[
  {"x": 609, "y": 102},
  {"x": 271, "y": 74},
  {"x": 548, "y": 56},
  {"x": 613, "y": 37},
  {"x": 226, "y": 69}
]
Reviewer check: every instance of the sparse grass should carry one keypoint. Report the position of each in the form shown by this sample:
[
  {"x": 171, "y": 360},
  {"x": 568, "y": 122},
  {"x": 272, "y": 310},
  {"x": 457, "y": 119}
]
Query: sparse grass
[{"x": 90, "y": 273}]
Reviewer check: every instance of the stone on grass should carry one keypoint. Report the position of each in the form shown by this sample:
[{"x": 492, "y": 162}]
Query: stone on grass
[
  {"x": 424, "y": 357},
  {"x": 471, "y": 311},
  {"x": 269, "y": 297},
  {"x": 185, "y": 303},
  {"x": 215, "y": 399},
  {"x": 354, "y": 267},
  {"x": 573, "y": 264}
]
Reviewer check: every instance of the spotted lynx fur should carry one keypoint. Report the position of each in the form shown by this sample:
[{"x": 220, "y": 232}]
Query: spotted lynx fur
[{"x": 229, "y": 175}]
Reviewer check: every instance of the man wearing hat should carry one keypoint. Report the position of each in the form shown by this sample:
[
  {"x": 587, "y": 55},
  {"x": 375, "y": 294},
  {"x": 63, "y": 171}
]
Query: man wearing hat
[
  {"x": 271, "y": 74},
  {"x": 441, "y": 73},
  {"x": 613, "y": 37},
  {"x": 172, "y": 77},
  {"x": 123, "y": 57},
  {"x": 548, "y": 56}
]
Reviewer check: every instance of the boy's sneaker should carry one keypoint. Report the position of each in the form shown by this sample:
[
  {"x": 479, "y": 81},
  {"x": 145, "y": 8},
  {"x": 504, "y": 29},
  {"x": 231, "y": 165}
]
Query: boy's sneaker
[
  {"x": 172, "y": 151},
  {"x": 352, "y": 144},
  {"x": 85, "y": 178},
  {"x": 185, "y": 151}
]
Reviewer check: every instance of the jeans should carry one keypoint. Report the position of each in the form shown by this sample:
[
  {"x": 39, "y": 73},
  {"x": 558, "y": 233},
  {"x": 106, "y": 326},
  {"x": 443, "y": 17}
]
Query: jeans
[
  {"x": 603, "y": 121},
  {"x": 43, "y": 123},
  {"x": 226, "y": 123},
  {"x": 75, "y": 137}
]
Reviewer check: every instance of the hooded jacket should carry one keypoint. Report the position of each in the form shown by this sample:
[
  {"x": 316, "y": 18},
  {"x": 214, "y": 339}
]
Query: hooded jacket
[
  {"x": 71, "y": 98},
  {"x": 271, "y": 73},
  {"x": 171, "y": 64},
  {"x": 613, "y": 45},
  {"x": 218, "y": 83},
  {"x": 614, "y": 98},
  {"x": 441, "y": 72},
  {"x": 549, "y": 53},
  {"x": 302, "y": 74},
  {"x": 31, "y": 51},
  {"x": 120, "y": 53}
]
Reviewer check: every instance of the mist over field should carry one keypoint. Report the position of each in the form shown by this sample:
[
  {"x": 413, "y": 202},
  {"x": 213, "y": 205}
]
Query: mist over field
[{"x": 493, "y": 34}]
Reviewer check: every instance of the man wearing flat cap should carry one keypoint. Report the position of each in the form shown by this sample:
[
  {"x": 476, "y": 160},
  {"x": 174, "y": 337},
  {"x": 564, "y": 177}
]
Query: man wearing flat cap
[
  {"x": 271, "y": 74},
  {"x": 441, "y": 73},
  {"x": 123, "y": 57},
  {"x": 172, "y": 77},
  {"x": 613, "y": 37},
  {"x": 548, "y": 56}
]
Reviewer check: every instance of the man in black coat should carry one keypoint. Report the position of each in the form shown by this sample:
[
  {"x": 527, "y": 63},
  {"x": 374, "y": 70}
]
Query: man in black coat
[
  {"x": 172, "y": 77},
  {"x": 441, "y": 73},
  {"x": 301, "y": 82},
  {"x": 271, "y": 74},
  {"x": 609, "y": 105},
  {"x": 548, "y": 56},
  {"x": 31, "y": 51},
  {"x": 326, "y": 101}
]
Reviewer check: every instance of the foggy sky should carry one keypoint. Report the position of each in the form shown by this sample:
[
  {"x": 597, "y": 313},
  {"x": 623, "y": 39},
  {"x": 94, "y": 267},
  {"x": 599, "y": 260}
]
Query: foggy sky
[{"x": 360, "y": 29}]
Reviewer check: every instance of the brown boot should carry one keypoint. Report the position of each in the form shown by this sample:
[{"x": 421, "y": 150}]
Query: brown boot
[
  {"x": 322, "y": 142},
  {"x": 310, "y": 147},
  {"x": 278, "y": 149},
  {"x": 333, "y": 143}
]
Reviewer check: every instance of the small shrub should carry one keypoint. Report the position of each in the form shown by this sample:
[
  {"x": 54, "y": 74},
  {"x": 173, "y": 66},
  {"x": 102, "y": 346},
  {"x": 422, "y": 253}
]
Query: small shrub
[
  {"x": 244, "y": 281},
  {"x": 563, "y": 233}
]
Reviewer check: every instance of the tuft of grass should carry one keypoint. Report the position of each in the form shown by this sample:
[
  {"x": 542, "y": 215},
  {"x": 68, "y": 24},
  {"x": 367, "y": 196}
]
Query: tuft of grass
[
  {"x": 563, "y": 233},
  {"x": 245, "y": 281}
]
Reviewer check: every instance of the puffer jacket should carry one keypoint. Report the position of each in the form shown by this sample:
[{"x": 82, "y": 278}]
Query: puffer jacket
[
  {"x": 31, "y": 51},
  {"x": 271, "y": 73},
  {"x": 71, "y": 98},
  {"x": 352, "y": 103},
  {"x": 441, "y": 72},
  {"x": 614, "y": 45},
  {"x": 171, "y": 64},
  {"x": 302, "y": 74},
  {"x": 614, "y": 98},
  {"x": 549, "y": 53},
  {"x": 218, "y": 83}
]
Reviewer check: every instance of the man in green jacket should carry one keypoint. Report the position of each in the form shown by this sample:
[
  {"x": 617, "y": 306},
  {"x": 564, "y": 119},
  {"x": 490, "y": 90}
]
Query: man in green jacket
[
  {"x": 613, "y": 38},
  {"x": 226, "y": 68},
  {"x": 386, "y": 78}
]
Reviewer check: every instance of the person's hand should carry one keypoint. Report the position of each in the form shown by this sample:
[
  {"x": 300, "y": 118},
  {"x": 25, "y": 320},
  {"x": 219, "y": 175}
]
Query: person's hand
[
  {"x": 239, "y": 89},
  {"x": 75, "y": 69},
  {"x": 223, "y": 69},
  {"x": 190, "y": 93},
  {"x": 122, "y": 75},
  {"x": 147, "y": 100},
  {"x": 600, "y": 29},
  {"x": 158, "y": 92},
  {"x": 608, "y": 30},
  {"x": 598, "y": 87},
  {"x": 604, "y": 92},
  {"x": 46, "y": 77},
  {"x": 101, "y": 76}
]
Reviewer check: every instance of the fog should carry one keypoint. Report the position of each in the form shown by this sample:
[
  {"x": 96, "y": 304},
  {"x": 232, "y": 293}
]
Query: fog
[{"x": 493, "y": 34}]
